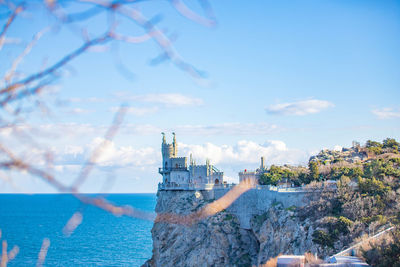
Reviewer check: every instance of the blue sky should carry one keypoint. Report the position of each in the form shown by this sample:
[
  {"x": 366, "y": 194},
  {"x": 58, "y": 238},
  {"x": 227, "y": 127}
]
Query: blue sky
[{"x": 284, "y": 79}]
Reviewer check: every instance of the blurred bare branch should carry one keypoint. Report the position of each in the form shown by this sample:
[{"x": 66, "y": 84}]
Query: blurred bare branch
[
  {"x": 13, "y": 253},
  {"x": 168, "y": 51},
  {"x": 88, "y": 166},
  {"x": 10, "y": 20},
  {"x": 11, "y": 72},
  {"x": 188, "y": 13},
  {"x": 17, "y": 86},
  {"x": 43, "y": 252},
  {"x": 210, "y": 209},
  {"x": 73, "y": 223},
  {"x": 5, "y": 257},
  {"x": 24, "y": 83}
]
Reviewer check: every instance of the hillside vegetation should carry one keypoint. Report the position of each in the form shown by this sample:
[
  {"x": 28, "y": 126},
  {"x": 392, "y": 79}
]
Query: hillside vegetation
[
  {"x": 373, "y": 160},
  {"x": 357, "y": 192}
]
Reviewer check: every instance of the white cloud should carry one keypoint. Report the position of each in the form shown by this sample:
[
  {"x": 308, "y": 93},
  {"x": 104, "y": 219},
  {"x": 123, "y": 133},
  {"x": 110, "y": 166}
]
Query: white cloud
[
  {"x": 109, "y": 155},
  {"x": 234, "y": 128},
  {"x": 137, "y": 111},
  {"x": 386, "y": 113},
  {"x": 169, "y": 100},
  {"x": 85, "y": 100},
  {"x": 245, "y": 152},
  {"x": 244, "y": 155},
  {"x": 240, "y": 154},
  {"x": 299, "y": 108},
  {"x": 80, "y": 111}
]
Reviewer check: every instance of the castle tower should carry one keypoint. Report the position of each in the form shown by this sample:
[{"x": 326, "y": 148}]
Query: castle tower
[
  {"x": 175, "y": 146},
  {"x": 167, "y": 153},
  {"x": 262, "y": 166}
]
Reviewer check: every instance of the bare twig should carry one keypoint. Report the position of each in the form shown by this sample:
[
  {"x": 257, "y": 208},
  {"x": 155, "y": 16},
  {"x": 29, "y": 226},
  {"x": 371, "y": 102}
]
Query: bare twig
[
  {"x": 10, "y": 73},
  {"x": 158, "y": 36},
  {"x": 50, "y": 70},
  {"x": 188, "y": 13},
  {"x": 88, "y": 166},
  {"x": 210, "y": 209},
  {"x": 43, "y": 252},
  {"x": 4, "y": 256},
  {"x": 8, "y": 23}
]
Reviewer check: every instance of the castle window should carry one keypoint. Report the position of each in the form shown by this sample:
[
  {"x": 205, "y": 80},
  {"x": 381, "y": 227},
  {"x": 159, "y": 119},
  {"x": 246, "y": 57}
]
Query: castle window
[{"x": 176, "y": 166}]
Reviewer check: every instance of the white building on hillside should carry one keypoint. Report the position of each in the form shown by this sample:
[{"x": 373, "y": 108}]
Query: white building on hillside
[{"x": 176, "y": 172}]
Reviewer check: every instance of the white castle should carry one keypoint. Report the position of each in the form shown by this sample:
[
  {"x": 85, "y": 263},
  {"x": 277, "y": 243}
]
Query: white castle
[{"x": 176, "y": 172}]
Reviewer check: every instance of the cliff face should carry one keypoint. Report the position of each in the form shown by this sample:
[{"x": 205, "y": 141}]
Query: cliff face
[
  {"x": 280, "y": 231},
  {"x": 220, "y": 241}
]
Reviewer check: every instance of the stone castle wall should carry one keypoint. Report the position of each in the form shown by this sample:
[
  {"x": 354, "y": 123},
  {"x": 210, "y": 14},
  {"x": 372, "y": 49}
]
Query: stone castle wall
[{"x": 258, "y": 201}]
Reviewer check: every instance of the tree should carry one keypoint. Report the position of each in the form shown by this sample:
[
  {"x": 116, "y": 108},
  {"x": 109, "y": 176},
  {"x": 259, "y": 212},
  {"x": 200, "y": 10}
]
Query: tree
[
  {"x": 313, "y": 168},
  {"x": 391, "y": 143},
  {"x": 272, "y": 177},
  {"x": 371, "y": 143}
]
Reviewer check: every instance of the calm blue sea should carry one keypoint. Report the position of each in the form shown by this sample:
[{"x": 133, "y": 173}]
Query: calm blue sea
[{"x": 102, "y": 239}]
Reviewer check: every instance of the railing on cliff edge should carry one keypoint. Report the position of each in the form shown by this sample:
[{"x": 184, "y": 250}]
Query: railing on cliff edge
[
  {"x": 353, "y": 249},
  {"x": 189, "y": 187}
]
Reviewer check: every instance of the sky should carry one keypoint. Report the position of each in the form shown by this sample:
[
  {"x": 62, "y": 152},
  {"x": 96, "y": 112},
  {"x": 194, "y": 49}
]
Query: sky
[{"x": 279, "y": 79}]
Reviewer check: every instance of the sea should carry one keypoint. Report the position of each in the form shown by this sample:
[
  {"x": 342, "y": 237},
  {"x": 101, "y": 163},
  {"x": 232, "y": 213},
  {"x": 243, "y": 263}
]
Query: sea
[{"x": 102, "y": 239}]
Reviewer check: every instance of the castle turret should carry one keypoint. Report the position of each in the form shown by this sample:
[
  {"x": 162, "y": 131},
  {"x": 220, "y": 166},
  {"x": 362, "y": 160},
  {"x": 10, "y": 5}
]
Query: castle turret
[
  {"x": 262, "y": 166},
  {"x": 175, "y": 146},
  {"x": 167, "y": 153}
]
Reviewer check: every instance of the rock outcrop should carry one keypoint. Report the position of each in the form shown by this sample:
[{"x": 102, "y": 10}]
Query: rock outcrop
[{"x": 220, "y": 241}]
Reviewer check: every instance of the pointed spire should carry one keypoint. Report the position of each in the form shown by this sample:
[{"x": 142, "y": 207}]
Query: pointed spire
[
  {"x": 208, "y": 166},
  {"x": 175, "y": 146},
  {"x": 163, "y": 138}
]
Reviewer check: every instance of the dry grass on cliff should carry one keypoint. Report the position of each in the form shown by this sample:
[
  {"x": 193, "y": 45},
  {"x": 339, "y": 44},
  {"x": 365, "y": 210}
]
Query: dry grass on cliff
[
  {"x": 312, "y": 259},
  {"x": 272, "y": 262}
]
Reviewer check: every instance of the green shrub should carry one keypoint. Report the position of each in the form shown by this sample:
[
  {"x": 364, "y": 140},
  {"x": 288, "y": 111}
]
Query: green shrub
[
  {"x": 372, "y": 187},
  {"x": 228, "y": 217},
  {"x": 322, "y": 238},
  {"x": 314, "y": 171},
  {"x": 343, "y": 224},
  {"x": 370, "y": 143},
  {"x": 291, "y": 208},
  {"x": 376, "y": 150},
  {"x": 391, "y": 143}
]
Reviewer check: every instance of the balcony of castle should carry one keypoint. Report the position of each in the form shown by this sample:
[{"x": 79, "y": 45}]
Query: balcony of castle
[
  {"x": 167, "y": 170},
  {"x": 193, "y": 187}
]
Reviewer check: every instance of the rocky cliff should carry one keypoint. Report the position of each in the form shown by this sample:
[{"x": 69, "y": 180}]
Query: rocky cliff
[{"x": 220, "y": 241}]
